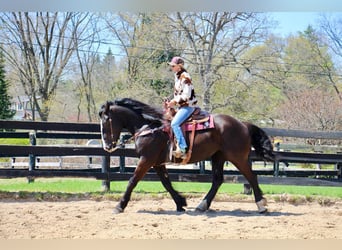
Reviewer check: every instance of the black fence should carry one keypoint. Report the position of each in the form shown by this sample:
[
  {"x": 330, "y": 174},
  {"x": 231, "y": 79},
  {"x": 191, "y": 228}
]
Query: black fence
[{"x": 108, "y": 173}]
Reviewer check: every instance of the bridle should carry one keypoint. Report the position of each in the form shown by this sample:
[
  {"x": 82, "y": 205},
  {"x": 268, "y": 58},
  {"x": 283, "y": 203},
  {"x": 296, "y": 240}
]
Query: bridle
[
  {"x": 121, "y": 144},
  {"x": 111, "y": 128},
  {"x": 142, "y": 131},
  {"x": 111, "y": 136}
]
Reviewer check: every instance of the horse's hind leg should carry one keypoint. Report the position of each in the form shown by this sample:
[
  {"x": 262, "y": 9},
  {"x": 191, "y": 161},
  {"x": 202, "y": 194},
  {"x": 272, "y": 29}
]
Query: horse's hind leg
[
  {"x": 164, "y": 178},
  {"x": 246, "y": 169},
  {"x": 217, "y": 170}
]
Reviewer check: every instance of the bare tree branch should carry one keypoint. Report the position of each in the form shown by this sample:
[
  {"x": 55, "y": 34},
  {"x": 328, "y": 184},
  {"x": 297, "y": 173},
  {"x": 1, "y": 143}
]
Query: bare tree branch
[
  {"x": 216, "y": 40},
  {"x": 40, "y": 46}
]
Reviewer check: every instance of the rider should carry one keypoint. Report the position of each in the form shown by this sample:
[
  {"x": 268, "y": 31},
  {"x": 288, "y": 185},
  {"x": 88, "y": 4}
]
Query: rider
[{"x": 185, "y": 99}]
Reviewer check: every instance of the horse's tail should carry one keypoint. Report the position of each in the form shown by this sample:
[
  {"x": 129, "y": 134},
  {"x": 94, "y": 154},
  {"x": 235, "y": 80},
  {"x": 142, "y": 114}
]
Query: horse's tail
[{"x": 261, "y": 142}]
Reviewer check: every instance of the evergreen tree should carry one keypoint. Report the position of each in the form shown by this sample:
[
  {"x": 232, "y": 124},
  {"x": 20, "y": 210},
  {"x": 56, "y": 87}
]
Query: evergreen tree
[
  {"x": 5, "y": 103},
  {"x": 109, "y": 60}
]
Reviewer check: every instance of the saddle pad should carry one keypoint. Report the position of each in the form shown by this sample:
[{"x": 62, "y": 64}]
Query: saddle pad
[{"x": 199, "y": 126}]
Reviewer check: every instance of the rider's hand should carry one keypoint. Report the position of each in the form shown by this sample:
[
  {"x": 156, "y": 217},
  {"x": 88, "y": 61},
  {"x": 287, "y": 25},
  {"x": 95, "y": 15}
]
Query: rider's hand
[{"x": 171, "y": 103}]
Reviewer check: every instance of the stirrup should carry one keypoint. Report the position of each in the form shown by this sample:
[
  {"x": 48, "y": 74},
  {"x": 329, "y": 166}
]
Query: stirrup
[{"x": 179, "y": 154}]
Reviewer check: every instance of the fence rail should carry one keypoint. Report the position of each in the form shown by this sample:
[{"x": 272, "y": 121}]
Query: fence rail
[
  {"x": 107, "y": 173},
  {"x": 332, "y": 135}
]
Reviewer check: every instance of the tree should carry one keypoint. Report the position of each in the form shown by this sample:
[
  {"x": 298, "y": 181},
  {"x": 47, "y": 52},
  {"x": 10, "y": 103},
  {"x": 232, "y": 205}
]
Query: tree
[
  {"x": 86, "y": 53},
  {"x": 142, "y": 39},
  {"x": 314, "y": 109},
  {"x": 5, "y": 103},
  {"x": 132, "y": 31},
  {"x": 216, "y": 41},
  {"x": 38, "y": 47},
  {"x": 254, "y": 88},
  {"x": 322, "y": 70},
  {"x": 330, "y": 26},
  {"x": 108, "y": 76}
]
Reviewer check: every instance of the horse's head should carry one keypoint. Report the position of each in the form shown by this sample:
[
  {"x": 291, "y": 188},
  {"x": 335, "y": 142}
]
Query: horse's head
[{"x": 110, "y": 128}]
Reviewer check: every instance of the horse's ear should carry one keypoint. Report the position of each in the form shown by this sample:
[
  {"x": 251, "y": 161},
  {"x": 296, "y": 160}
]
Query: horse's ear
[
  {"x": 107, "y": 107},
  {"x": 104, "y": 109},
  {"x": 101, "y": 111}
]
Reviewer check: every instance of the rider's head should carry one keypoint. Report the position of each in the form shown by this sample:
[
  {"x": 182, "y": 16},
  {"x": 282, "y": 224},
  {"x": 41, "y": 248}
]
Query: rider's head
[{"x": 177, "y": 64}]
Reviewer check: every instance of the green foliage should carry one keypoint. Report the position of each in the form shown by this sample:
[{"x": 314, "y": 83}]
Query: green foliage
[
  {"x": 5, "y": 103},
  {"x": 251, "y": 92},
  {"x": 163, "y": 88},
  {"x": 272, "y": 73},
  {"x": 163, "y": 57},
  {"x": 162, "y": 85}
]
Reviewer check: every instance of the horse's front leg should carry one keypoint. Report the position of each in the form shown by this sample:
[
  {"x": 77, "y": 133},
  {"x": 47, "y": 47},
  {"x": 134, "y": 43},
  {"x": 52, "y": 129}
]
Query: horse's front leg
[
  {"x": 164, "y": 178},
  {"x": 142, "y": 167}
]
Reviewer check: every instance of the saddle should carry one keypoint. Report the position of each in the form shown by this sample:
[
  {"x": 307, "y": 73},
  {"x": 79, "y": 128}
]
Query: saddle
[
  {"x": 199, "y": 120},
  {"x": 198, "y": 114}
]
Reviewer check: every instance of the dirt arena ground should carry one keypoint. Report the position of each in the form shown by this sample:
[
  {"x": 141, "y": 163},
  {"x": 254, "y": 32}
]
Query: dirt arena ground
[{"x": 157, "y": 219}]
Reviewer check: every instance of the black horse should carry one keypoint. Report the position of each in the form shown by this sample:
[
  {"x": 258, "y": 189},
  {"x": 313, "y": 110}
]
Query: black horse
[{"x": 230, "y": 140}]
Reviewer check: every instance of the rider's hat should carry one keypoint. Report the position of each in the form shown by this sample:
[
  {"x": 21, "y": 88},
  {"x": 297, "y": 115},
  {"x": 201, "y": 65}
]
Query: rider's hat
[{"x": 176, "y": 61}]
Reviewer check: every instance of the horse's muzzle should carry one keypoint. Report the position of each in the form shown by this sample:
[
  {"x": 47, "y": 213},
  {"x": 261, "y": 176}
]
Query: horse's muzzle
[{"x": 110, "y": 147}]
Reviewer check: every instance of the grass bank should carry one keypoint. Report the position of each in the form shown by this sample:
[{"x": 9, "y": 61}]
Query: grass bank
[{"x": 64, "y": 189}]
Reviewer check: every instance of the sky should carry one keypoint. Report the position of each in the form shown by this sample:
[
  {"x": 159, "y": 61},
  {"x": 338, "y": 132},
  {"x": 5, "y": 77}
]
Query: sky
[{"x": 292, "y": 22}]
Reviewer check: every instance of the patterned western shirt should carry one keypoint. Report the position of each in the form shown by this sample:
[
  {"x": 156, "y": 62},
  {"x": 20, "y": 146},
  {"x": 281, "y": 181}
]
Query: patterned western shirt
[{"x": 184, "y": 93}]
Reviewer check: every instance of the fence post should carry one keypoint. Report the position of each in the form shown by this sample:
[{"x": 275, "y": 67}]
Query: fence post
[
  {"x": 106, "y": 170},
  {"x": 276, "y": 168},
  {"x": 32, "y": 158},
  {"x": 338, "y": 167},
  {"x": 122, "y": 157},
  {"x": 276, "y": 162},
  {"x": 202, "y": 167}
]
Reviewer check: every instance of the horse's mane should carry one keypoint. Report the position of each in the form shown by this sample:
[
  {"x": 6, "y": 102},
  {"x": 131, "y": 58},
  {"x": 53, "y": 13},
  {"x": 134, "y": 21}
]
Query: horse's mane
[{"x": 149, "y": 113}]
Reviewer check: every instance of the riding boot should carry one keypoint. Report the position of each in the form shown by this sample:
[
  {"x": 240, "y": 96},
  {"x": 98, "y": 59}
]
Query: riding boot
[{"x": 179, "y": 153}]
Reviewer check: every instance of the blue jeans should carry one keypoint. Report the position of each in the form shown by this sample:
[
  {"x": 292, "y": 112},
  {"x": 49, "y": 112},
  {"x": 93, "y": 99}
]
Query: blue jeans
[{"x": 182, "y": 114}]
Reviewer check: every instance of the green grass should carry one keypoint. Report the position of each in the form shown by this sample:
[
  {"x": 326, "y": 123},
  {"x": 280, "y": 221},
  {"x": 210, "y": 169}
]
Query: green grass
[
  {"x": 335, "y": 192},
  {"x": 14, "y": 141},
  {"x": 51, "y": 185},
  {"x": 88, "y": 186}
]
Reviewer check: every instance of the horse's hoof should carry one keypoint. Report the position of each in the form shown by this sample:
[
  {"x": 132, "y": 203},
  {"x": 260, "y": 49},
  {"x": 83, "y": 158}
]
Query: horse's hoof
[
  {"x": 202, "y": 207},
  {"x": 180, "y": 210},
  {"x": 262, "y": 206},
  {"x": 117, "y": 210},
  {"x": 264, "y": 211},
  {"x": 183, "y": 202}
]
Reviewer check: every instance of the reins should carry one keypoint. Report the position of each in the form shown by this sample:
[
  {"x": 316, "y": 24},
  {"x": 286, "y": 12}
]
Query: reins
[
  {"x": 146, "y": 132},
  {"x": 123, "y": 142},
  {"x": 134, "y": 136}
]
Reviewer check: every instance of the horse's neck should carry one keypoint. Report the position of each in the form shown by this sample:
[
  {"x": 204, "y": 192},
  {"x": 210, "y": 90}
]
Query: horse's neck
[{"x": 134, "y": 122}]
